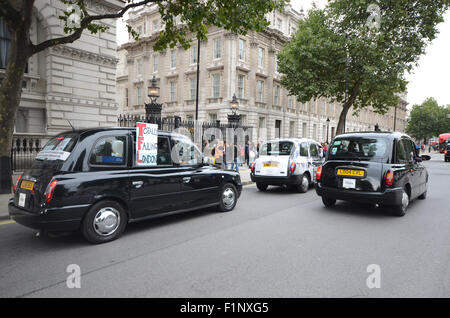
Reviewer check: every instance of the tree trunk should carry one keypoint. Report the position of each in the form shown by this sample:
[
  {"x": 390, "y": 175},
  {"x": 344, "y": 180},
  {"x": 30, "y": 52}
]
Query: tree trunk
[
  {"x": 10, "y": 92},
  {"x": 346, "y": 108}
]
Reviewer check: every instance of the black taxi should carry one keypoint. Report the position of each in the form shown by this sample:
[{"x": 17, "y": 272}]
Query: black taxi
[
  {"x": 91, "y": 180},
  {"x": 381, "y": 168}
]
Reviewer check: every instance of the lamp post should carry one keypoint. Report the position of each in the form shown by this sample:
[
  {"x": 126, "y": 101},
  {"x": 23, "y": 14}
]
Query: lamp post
[
  {"x": 153, "y": 109},
  {"x": 234, "y": 118},
  {"x": 347, "y": 61},
  {"x": 328, "y": 127}
]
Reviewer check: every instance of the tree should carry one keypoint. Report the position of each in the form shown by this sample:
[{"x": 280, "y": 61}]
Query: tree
[
  {"x": 428, "y": 120},
  {"x": 238, "y": 16},
  {"x": 383, "y": 41}
]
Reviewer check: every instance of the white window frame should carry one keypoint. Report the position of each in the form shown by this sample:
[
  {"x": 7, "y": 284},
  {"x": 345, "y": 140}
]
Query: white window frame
[
  {"x": 217, "y": 48},
  {"x": 241, "y": 54},
  {"x": 173, "y": 91},
  {"x": 173, "y": 59},
  {"x": 260, "y": 91},
  {"x": 192, "y": 88},
  {"x": 155, "y": 63},
  {"x": 216, "y": 85},
  {"x": 241, "y": 86},
  {"x": 261, "y": 54},
  {"x": 193, "y": 54}
]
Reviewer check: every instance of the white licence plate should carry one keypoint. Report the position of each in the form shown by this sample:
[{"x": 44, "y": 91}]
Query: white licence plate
[
  {"x": 349, "y": 183},
  {"x": 22, "y": 198}
]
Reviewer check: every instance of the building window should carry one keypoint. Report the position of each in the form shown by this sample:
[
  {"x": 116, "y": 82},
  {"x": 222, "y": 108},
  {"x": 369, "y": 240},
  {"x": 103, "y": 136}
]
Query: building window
[
  {"x": 139, "y": 96},
  {"x": 260, "y": 57},
  {"x": 145, "y": 27},
  {"x": 193, "y": 88},
  {"x": 155, "y": 25},
  {"x": 139, "y": 67},
  {"x": 212, "y": 117},
  {"x": 139, "y": 30},
  {"x": 304, "y": 132},
  {"x": 242, "y": 50},
  {"x": 276, "y": 95},
  {"x": 292, "y": 129},
  {"x": 217, "y": 48},
  {"x": 276, "y": 64},
  {"x": 240, "y": 86},
  {"x": 173, "y": 58},
  {"x": 194, "y": 54},
  {"x": 315, "y": 131},
  {"x": 155, "y": 63},
  {"x": 279, "y": 24},
  {"x": 290, "y": 101},
  {"x": 259, "y": 87},
  {"x": 277, "y": 128},
  {"x": 126, "y": 97},
  {"x": 5, "y": 43},
  {"x": 216, "y": 85},
  {"x": 173, "y": 91}
]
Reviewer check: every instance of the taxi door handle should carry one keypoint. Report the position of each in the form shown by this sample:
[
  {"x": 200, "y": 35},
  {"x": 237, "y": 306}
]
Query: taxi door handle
[
  {"x": 138, "y": 184},
  {"x": 186, "y": 179}
]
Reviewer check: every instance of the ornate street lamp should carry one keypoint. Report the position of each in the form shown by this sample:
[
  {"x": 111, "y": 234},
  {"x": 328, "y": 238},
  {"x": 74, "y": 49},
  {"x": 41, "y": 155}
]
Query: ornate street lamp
[
  {"x": 234, "y": 118},
  {"x": 328, "y": 127},
  {"x": 153, "y": 109}
]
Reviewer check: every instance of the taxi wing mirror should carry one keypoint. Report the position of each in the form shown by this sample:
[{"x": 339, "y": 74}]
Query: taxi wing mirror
[{"x": 425, "y": 158}]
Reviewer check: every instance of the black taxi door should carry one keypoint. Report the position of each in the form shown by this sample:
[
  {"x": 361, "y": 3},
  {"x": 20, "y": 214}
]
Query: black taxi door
[{"x": 154, "y": 188}]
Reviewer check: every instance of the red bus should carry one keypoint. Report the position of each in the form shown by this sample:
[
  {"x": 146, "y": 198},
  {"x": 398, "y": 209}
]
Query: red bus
[{"x": 444, "y": 140}]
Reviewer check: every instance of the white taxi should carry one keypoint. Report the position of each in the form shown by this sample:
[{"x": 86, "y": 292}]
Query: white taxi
[{"x": 288, "y": 162}]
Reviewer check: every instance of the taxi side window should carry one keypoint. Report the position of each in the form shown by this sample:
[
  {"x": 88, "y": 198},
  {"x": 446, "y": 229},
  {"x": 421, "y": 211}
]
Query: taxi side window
[
  {"x": 405, "y": 151},
  {"x": 163, "y": 157},
  {"x": 184, "y": 152},
  {"x": 109, "y": 151},
  {"x": 304, "y": 149},
  {"x": 313, "y": 150}
]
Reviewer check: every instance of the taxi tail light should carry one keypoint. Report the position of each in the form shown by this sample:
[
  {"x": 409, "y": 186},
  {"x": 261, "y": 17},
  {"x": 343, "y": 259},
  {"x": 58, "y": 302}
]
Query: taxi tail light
[
  {"x": 390, "y": 178},
  {"x": 319, "y": 173},
  {"x": 49, "y": 191},
  {"x": 292, "y": 167},
  {"x": 17, "y": 183}
]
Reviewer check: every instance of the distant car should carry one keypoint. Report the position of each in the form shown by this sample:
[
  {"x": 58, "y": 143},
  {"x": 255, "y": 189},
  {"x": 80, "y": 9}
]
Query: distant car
[
  {"x": 447, "y": 154},
  {"x": 287, "y": 162},
  {"x": 91, "y": 180},
  {"x": 379, "y": 168}
]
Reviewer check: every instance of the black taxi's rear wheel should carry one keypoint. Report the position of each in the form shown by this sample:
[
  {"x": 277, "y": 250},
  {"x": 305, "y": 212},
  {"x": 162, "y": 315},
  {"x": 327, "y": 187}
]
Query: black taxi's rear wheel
[
  {"x": 400, "y": 210},
  {"x": 105, "y": 221},
  {"x": 228, "y": 197},
  {"x": 328, "y": 202},
  {"x": 261, "y": 186}
]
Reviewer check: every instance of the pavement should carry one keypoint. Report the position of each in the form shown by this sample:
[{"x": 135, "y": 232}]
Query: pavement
[
  {"x": 277, "y": 243},
  {"x": 244, "y": 171}
]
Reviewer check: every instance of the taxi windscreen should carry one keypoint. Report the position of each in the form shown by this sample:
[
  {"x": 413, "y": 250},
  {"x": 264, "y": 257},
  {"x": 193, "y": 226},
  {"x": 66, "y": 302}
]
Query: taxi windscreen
[
  {"x": 281, "y": 148},
  {"x": 364, "y": 148}
]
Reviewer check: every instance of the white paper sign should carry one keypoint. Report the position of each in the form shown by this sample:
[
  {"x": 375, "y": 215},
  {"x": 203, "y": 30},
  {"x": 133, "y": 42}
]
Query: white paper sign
[
  {"x": 52, "y": 155},
  {"x": 146, "y": 144}
]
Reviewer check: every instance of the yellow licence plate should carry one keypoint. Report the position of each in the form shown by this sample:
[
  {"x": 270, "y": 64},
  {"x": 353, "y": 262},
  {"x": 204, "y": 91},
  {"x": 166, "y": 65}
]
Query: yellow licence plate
[
  {"x": 271, "y": 164},
  {"x": 27, "y": 185},
  {"x": 350, "y": 172}
]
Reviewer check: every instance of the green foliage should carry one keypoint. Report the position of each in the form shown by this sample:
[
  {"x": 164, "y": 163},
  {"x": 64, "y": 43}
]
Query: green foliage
[
  {"x": 314, "y": 63},
  {"x": 428, "y": 120}
]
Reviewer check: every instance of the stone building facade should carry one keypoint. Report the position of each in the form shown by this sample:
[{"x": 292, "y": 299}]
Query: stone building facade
[
  {"x": 67, "y": 83},
  {"x": 230, "y": 64}
]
